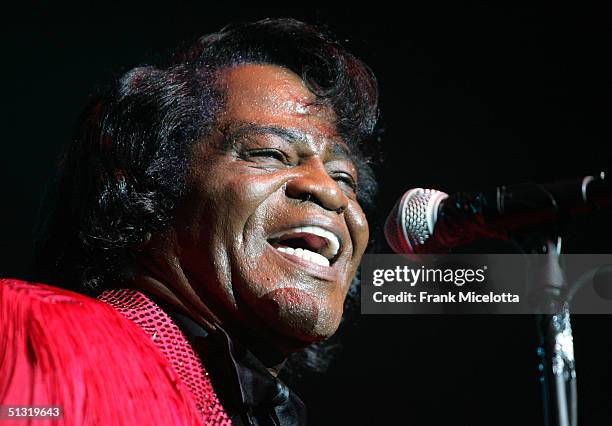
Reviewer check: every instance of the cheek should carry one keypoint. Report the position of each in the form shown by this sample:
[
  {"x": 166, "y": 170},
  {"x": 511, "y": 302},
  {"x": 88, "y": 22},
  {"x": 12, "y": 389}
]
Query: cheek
[
  {"x": 250, "y": 190},
  {"x": 252, "y": 204},
  {"x": 359, "y": 229},
  {"x": 238, "y": 211}
]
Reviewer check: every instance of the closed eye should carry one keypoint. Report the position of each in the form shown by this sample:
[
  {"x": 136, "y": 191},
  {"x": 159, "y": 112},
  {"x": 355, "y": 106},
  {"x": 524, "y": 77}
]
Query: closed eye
[
  {"x": 268, "y": 154},
  {"x": 346, "y": 179}
]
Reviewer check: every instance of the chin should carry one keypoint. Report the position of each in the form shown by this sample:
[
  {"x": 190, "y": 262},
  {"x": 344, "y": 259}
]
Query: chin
[{"x": 298, "y": 317}]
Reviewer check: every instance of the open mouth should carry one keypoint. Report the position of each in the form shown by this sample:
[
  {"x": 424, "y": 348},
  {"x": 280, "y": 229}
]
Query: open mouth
[{"x": 310, "y": 243}]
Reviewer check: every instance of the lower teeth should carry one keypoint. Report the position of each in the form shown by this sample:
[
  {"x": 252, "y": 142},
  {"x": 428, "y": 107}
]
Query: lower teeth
[{"x": 306, "y": 255}]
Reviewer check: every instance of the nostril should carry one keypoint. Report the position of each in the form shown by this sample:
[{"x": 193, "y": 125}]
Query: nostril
[{"x": 323, "y": 192}]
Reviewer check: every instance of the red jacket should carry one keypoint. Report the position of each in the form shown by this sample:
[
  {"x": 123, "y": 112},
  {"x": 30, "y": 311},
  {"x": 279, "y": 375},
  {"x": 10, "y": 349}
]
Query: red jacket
[{"x": 119, "y": 360}]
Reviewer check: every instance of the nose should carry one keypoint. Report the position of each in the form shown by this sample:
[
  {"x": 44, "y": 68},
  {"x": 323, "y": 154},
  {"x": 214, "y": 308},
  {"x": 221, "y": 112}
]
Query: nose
[{"x": 314, "y": 184}]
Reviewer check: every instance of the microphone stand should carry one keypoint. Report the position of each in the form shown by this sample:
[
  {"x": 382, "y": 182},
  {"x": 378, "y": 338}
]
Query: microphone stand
[{"x": 549, "y": 291}]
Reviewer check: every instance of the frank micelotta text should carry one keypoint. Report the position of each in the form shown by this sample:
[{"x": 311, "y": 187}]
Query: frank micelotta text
[{"x": 448, "y": 297}]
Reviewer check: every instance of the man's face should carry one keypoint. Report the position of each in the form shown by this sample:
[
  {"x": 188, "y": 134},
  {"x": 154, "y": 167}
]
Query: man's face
[{"x": 270, "y": 233}]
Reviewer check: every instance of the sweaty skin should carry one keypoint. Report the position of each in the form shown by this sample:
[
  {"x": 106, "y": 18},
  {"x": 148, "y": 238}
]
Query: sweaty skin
[{"x": 273, "y": 162}]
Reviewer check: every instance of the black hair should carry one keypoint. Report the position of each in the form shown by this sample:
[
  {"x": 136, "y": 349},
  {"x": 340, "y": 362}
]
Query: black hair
[{"x": 125, "y": 170}]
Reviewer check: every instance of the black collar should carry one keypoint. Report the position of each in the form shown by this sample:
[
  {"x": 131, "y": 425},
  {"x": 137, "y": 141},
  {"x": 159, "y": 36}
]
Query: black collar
[{"x": 245, "y": 387}]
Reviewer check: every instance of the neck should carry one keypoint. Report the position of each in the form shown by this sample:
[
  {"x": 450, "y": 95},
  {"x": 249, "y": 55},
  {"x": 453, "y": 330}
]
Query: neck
[
  {"x": 269, "y": 356},
  {"x": 156, "y": 288},
  {"x": 161, "y": 275}
]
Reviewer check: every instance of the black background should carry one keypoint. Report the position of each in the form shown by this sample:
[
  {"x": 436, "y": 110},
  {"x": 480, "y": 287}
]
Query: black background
[{"x": 472, "y": 96}]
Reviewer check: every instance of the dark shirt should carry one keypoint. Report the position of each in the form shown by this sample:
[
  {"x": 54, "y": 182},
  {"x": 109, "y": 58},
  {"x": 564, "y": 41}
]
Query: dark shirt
[{"x": 245, "y": 387}]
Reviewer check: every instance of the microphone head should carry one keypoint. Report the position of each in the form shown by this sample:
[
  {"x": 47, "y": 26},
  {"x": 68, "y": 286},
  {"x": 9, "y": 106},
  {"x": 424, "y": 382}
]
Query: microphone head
[{"x": 413, "y": 219}]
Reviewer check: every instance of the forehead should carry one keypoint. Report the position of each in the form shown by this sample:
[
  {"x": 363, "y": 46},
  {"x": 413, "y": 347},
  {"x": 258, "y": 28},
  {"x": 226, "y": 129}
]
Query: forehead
[{"x": 264, "y": 94}]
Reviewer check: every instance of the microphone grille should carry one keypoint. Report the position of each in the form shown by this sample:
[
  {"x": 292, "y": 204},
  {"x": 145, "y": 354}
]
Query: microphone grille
[{"x": 413, "y": 219}]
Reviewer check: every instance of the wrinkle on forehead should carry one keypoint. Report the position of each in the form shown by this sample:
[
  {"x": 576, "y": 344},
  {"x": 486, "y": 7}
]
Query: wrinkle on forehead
[{"x": 257, "y": 92}]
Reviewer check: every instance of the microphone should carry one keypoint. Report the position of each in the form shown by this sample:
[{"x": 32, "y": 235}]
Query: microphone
[{"x": 430, "y": 221}]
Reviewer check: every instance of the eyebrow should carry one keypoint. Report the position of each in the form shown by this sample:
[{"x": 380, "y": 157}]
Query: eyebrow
[{"x": 290, "y": 135}]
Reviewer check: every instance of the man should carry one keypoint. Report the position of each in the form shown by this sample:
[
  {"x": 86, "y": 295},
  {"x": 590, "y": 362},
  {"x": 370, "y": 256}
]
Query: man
[{"x": 216, "y": 202}]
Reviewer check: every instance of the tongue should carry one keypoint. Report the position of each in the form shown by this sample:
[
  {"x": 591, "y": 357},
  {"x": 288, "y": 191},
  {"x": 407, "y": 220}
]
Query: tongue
[{"x": 308, "y": 241}]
